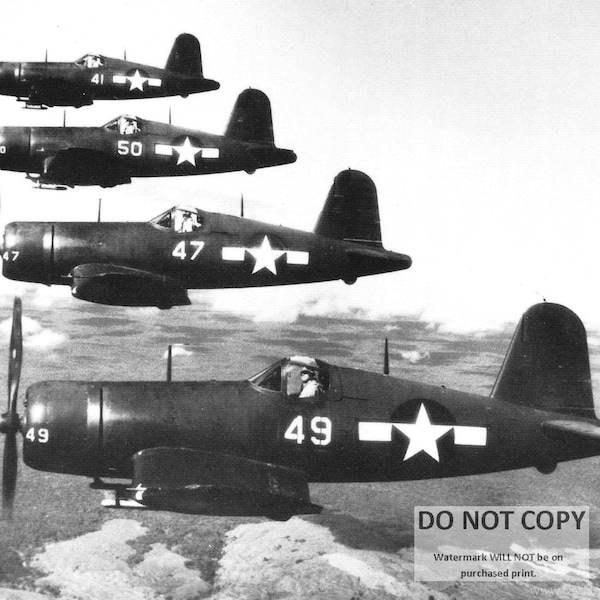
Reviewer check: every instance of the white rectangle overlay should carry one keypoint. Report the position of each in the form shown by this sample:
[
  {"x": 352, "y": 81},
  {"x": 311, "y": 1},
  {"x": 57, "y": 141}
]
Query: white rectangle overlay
[
  {"x": 375, "y": 432},
  {"x": 502, "y": 543},
  {"x": 163, "y": 149},
  {"x": 235, "y": 254},
  {"x": 297, "y": 257},
  {"x": 210, "y": 153},
  {"x": 470, "y": 436}
]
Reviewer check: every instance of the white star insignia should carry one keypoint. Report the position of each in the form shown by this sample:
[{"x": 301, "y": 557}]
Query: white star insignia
[
  {"x": 265, "y": 256},
  {"x": 137, "y": 81},
  {"x": 422, "y": 435},
  {"x": 187, "y": 152}
]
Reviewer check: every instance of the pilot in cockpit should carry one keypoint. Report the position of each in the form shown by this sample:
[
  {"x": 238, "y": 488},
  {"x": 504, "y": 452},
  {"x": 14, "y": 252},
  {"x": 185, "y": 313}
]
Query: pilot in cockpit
[
  {"x": 310, "y": 384},
  {"x": 189, "y": 222},
  {"x": 128, "y": 126},
  {"x": 93, "y": 62}
]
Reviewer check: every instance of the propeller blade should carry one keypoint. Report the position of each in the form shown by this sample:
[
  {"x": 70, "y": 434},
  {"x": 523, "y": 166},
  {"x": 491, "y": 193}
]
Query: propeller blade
[
  {"x": 15, "y": 358},
  {"x": 9, "y": 475},
  {"x": 10, "y": 422}
]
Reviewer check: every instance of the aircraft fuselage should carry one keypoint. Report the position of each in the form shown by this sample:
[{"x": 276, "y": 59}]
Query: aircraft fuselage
[
  {"x": 363, "y": 427},
  {"x": 225, "y": 252}
]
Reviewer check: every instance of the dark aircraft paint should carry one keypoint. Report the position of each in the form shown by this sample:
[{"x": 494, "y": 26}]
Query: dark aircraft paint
[
  {"x": 190, "y": 446},
  {"x": 129, "y": 147},
  {"x": 96, "y": 77},
  {"x": 154, "y": 263}
]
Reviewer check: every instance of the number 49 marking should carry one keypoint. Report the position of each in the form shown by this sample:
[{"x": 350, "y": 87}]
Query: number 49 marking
[
  {"x": 320, "y": 426},
  {"x": 41, "y": 435}
]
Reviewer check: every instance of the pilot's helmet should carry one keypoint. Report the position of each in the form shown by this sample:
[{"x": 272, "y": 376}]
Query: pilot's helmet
[{"x": 309, "y": 372}]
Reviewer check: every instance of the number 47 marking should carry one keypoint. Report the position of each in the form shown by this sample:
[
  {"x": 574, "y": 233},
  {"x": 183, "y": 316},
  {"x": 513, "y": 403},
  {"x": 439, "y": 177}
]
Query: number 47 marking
[{"x": 179, "y": 250}]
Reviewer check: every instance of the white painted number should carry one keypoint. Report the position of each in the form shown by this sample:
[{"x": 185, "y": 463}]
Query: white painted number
[
  {"x": 320, "y": 426},
  {"x": 125, "y": 147},
  {"x": 294, "y": 431},
  {"x": 180, "y": 252},
  {"x": 41, "y": 435},
  {"x": 198, "y": 245},
  {"x": 2, "y": 149},
  {"x": 98, "y": 78},
  {"x": 10, "y": 255}
]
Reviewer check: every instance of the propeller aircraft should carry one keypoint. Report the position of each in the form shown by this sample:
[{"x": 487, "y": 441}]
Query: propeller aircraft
[
  {"x": 251, "y": 447},
  {"x": 129, "y": 146},
  {"x": 97, "y": 77},
  {"x": 155, "y": 263}
]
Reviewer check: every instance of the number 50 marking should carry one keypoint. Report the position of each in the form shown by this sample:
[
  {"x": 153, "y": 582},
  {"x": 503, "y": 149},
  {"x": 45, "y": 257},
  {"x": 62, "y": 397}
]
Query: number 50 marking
[
  {"x": 320, "y": 426},
  {"x": 125, "y": 147}
]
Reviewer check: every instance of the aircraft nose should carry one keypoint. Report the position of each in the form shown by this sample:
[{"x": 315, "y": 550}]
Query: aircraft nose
[
  {"x": 8, "y": 77},
  {"x": 27, "y": 252}
]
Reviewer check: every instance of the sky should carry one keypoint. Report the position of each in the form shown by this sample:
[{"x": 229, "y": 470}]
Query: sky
[{"x": 478, "y": 122}]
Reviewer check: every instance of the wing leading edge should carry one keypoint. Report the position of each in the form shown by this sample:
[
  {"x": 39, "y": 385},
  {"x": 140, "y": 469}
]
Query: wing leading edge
[{"x": 123, "y": 286}]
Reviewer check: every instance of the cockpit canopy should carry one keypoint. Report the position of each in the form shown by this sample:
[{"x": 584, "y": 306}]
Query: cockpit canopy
[
  {"x": 296, "y": 376},
  {"x": 180, "y": 219},
  {"x": 90, "y": 61},
  {"x": 124, "y": 125}
]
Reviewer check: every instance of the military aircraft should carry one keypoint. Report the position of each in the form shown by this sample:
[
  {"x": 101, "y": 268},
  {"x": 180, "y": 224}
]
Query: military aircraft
[
  {"x": 154, "y": 263},
  {"x": 129, "y": 147},
  {"x": 250, "y": 447},
  {"x": 97, "y": 77}
]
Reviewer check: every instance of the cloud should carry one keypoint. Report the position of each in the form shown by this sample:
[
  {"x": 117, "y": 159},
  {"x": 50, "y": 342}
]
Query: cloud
[
  {"x": 35, "y": 336},
  {"x": 415, "y": 357},
  {"x": 178, "y": 350}
]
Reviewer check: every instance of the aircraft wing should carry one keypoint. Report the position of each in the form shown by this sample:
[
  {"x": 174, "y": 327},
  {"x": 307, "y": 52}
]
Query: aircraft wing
[
  {"x": 199, "y": 482},
  {"x": 578, "y": 428},
  {"x": 123, "y": 286},
  {"x": 81, "y": 166}
]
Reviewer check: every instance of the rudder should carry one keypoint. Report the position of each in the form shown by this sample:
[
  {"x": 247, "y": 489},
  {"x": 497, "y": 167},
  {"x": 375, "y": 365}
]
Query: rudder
[
  {"x": 351, "y": 211},
  {"x": 547, "y": 364},
  {"x": 251, "y": 119},
  {"x": 185, "y": 57}
]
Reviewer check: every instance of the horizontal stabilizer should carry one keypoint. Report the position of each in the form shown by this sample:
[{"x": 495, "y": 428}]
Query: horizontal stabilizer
[
  {"x": 547, "y": 364},
  {"x": 351, "y": 211},
  {"x": 122, "y": 286},
  {"x": 579, "y": 428},
  {"x": 197, "y": 482}
]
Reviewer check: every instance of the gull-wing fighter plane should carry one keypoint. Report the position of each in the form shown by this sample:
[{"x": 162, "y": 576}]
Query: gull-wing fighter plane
[
  {"x": 97, "y": 77},
  {"x": 155, "y": 263},
  {"x": 129, "y": 147},
  {"x": 251, "y": 447}
]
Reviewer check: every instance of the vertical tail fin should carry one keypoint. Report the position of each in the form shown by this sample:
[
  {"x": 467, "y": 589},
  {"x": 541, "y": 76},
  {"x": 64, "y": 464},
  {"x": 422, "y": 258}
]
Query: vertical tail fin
[
  {"x": 185, "y": 57},
  {"x": 547, "y": 365},
  {"x": 351, "y": 211},
  {"x": 251, "y": 119}
]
